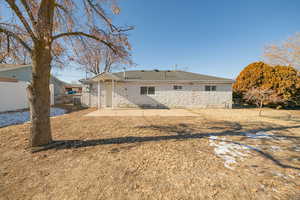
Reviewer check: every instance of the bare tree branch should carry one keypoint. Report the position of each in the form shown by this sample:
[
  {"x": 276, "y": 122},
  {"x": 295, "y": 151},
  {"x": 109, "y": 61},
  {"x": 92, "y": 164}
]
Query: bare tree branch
[
  {"x": 29, "y": 12},
  {"x": 61, "y": 7},
  {"x": 285, "y": 53},
  {"x": 99, "y": 11},
  {"x": 85, "y": 35},
  {"x": 261, "y": 96},
  {"x": 16, "y": 10},
  {"x": 15, "y": 36}
]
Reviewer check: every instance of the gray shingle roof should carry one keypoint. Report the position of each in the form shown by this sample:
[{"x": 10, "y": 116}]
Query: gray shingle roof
[
  {"x": 158, "y": 75},
  {"x": 6, "y": 67}
]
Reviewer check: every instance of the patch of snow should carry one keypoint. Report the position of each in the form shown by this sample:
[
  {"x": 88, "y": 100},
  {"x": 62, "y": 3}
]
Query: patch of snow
[
  {"x": 264, "y": 135},
  {"x": 296, "y": 148},
  {"x": 228, "y": 151},
  {"x": 12, "y": 118},
  {"x": 213, "y": 137},
  {"x": 275, "y": 148},
  {"x": 57, "y": 111},
  {"x": 293, "y": 177},
  {"x": 274, "y": 190},
  {"x": 260, "y": 135},
  {"x": 280, "y": 175}
]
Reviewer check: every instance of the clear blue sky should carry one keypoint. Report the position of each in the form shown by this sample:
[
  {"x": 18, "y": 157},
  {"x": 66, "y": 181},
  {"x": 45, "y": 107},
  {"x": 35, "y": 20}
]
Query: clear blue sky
[{"x": 216, "y": 37}]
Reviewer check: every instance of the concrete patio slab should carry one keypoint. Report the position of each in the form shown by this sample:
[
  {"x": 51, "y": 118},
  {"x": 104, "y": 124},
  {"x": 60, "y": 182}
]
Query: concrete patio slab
[{"x": 142, "y": 112}]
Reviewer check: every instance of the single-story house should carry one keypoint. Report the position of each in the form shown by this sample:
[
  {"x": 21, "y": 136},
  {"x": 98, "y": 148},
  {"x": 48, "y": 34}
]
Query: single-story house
[
  {"x": 24, "y": 73},
  {"x": 157, "y": 89}
]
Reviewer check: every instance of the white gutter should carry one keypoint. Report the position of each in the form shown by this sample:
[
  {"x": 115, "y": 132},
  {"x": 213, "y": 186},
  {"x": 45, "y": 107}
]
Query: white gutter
[
  {"x": 176, "y": 81},
  {"x": 181, "y": 81},
  {"x": 4, "y": 69}
]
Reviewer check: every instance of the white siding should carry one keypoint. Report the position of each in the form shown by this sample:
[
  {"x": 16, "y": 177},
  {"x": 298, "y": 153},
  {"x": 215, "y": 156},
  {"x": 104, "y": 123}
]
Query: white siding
[
  {"x": 192, "y": 95},
  {"x": 14, "y": 96},
  {"x": 52, "y": 91},
  {"x": 89, "y": 95}
]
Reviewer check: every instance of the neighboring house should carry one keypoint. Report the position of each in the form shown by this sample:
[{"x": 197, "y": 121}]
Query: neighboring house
[
  {"x": 73, "y": 88},
  {"x": 13, "y": 94},
  {"x": 24, "y": 73},
  {"x": 157, "y": 89}
]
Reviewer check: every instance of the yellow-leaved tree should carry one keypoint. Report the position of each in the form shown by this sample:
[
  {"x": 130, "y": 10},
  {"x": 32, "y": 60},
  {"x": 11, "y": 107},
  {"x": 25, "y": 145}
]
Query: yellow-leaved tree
[{"x": 284, "y": 81}]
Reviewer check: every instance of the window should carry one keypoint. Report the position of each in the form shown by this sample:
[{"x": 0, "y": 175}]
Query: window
[
  {"x": 144, "y": 90},
  {"x": 86, "y": 88},
  {"x": 147, "y": 90},
  {"x": 151, "y": 90},
  {"x": 210, "y": 88},
  {"x": 177, "y": 87}
]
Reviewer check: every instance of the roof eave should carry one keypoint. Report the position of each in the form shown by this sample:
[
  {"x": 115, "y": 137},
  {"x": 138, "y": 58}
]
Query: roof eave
[
  {"x": 105, "y": 76},
  {"x": 183, "y": 81},
  {"x": 14, "y": 68}
]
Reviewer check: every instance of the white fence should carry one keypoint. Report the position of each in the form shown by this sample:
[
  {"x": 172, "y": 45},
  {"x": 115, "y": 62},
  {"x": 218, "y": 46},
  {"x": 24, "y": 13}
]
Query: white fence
[
  {"x": 51, "y": 87},
  {"x": 13, "y": 95}
]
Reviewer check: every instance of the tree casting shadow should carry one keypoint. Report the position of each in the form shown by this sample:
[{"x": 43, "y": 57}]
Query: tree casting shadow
[{"x": 180, "y": 134}]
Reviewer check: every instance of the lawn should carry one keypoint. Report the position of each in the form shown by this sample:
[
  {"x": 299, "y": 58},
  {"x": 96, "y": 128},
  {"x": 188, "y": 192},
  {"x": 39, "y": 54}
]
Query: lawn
[{"x": 219, "y": 154}]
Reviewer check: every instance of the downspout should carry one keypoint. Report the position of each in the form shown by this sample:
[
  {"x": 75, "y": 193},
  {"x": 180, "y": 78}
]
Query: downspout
[
  {"x": 99, "y": 95},
  {"x": 112, "y": 93},
  {"x": 124, "y": 73}
]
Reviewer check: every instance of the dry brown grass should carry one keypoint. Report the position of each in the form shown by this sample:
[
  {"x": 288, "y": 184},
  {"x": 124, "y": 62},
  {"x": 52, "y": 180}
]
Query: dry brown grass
[{"x": 153, "y": 158}]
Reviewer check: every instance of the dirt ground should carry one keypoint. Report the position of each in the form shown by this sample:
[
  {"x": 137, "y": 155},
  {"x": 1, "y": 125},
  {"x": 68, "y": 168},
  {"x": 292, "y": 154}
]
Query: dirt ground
[
  {"x": 157, "y": 157},
  {"x": 142, "y": 113}
]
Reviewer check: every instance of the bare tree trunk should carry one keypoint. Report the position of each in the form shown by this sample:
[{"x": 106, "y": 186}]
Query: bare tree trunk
[
  {"x": 260, "y": 108},
  {"x": 39, "y": 97},
  {"x": 39, "y": 92}
]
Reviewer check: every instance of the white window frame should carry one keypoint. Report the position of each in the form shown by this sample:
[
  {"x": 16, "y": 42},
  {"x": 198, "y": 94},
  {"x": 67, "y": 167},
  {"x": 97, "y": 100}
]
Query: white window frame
[
  {"x": 147, "y": 91},
  {"x": 210, "y": 88},
  {"x": 175, "y": 87}
]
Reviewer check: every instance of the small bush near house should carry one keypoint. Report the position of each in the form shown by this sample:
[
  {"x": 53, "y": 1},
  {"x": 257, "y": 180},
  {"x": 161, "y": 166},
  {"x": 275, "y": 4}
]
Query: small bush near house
[{"x": 260, "y": 97}]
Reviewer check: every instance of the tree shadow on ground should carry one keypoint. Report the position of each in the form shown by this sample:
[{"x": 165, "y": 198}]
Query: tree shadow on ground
[
  {"x": 183, "y": 132},
  {"x": 287, "y": 117},
  {"x": 243, "y": 106},
  {"x": 70, "y": 108}
]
